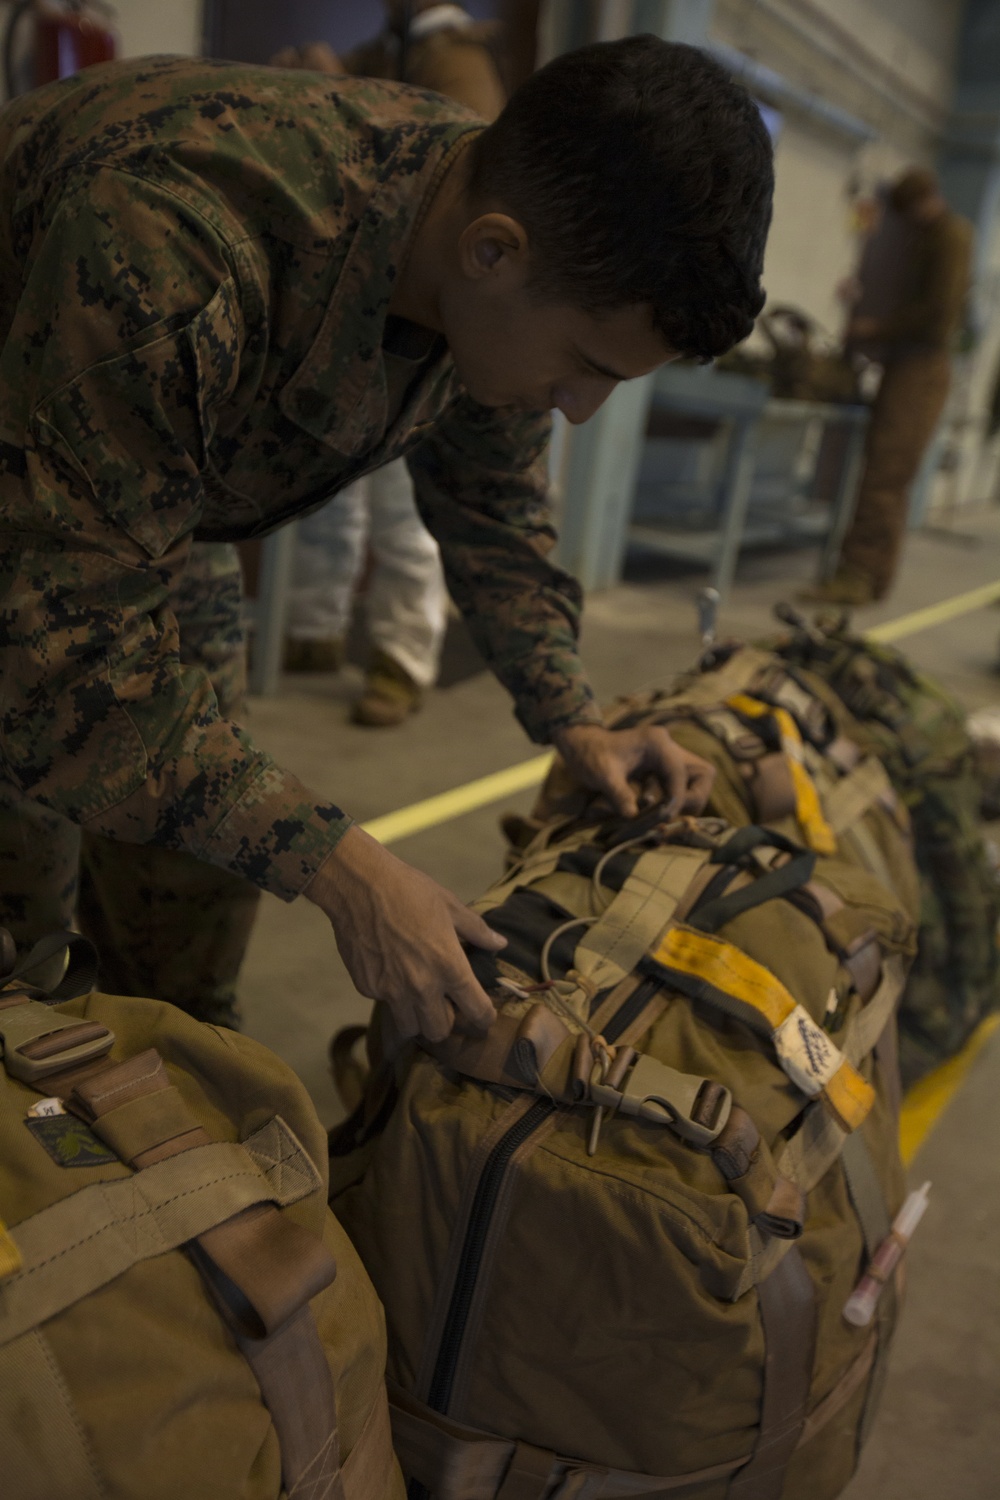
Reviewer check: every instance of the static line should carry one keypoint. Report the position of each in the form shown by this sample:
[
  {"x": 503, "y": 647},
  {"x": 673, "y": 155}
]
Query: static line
[
  {"x": 929, "y": 1098},
  {"x": 420, "y": 816}
]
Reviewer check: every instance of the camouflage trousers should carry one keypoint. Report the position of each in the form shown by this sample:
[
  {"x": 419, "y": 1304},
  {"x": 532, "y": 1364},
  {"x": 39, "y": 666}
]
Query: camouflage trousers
[
  {"x": 165, "y": 924},
  {"x": 907, "y": 409}
]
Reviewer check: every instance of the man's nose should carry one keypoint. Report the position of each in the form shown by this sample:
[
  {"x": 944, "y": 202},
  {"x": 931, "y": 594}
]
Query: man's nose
[{"x": 578, "y": 403}]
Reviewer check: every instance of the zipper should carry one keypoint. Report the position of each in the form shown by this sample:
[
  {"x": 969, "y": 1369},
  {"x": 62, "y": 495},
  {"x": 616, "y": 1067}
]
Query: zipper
[{"x": 483, "y": 1205}]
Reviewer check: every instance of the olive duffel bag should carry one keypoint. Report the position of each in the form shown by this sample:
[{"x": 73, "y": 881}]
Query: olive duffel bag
[
  {"x": 181, "y": 1316},
  {"x": 615, "y": 1236}
]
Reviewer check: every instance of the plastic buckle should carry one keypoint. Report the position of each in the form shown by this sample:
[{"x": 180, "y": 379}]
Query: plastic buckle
[
  {"x": 59, "y": 1052},
  {"x": 661, "y": 1095}
]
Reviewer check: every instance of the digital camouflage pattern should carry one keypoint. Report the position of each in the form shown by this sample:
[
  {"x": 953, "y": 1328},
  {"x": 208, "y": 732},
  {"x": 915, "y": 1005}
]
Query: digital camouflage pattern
[
  {"x": 162, "y": 921},
  {"x": 196, "y": 261}
]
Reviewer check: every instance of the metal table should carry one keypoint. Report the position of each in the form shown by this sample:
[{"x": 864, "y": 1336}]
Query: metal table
[{"x": 742, "y": 407}]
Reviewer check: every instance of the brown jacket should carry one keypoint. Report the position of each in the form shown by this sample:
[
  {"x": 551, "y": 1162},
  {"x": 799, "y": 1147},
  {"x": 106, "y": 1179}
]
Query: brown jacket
[{"x": 929, "y": 312}]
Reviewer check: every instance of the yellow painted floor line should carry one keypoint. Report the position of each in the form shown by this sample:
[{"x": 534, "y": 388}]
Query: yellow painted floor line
[
  {"x": 461, "y": 799},
  {"x": 935, "y": 614},
  {"x": 420, "y": 816},
  {"x": 928, "y": 1099}
]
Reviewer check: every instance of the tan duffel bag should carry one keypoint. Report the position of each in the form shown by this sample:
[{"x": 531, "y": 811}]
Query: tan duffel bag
[
  {"x": 786, "y": 754},
  {"x": 181, "y": 1317},
  {"x": 614, "y": 1238}
]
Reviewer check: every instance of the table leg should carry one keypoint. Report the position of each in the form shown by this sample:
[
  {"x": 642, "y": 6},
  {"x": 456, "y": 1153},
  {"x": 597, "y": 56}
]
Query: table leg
[
  {"x": 736, "y": 494},
  {"x": 277, "y": 555},
  {"x": 843, "y": 502}
]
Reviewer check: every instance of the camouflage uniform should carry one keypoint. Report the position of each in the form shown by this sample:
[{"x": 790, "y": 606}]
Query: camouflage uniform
[
  {"x": 162, "y": 921},
  {"x": 196, "y": 262}
]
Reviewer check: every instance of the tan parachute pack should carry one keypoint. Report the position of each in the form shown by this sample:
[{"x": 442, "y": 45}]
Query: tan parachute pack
[
  {"x": 614, "y": 1237},
  {"x": 181, "y": 1317},
  {"x": 786, "y": 754}
]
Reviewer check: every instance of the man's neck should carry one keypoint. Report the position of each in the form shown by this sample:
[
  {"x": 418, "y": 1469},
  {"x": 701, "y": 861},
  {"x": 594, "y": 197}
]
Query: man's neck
[{"x": 417, "y": 292}]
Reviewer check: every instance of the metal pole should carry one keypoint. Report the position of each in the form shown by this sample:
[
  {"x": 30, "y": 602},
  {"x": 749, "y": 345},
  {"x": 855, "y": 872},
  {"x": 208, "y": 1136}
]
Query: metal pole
[{"x": 277, "y": 555}]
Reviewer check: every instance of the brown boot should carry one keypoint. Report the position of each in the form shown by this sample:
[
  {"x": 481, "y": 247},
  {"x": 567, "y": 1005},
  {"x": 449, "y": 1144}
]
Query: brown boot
[
  {"x": 314, "y": 656},
  {"x": 845, "y": 587},
  {"x": 390, "y": 695}
]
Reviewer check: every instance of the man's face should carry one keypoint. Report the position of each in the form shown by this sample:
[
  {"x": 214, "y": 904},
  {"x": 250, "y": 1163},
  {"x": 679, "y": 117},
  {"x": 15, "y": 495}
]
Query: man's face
[
  {"x": 512, "y": 347},
  {"x": 537, "y": 355}
]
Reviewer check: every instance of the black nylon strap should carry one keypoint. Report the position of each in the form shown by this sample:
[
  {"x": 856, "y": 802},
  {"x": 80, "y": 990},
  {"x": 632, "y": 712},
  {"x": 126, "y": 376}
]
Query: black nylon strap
[
  {"x": 788, "y": 1314},
  {"x": 788, "y": 877},
  {"x": 745, "y": 840}
]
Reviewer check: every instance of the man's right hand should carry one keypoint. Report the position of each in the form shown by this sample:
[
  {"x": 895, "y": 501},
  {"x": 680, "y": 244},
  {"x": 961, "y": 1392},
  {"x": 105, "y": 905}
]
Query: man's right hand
[{"x": 400, "y": 934}]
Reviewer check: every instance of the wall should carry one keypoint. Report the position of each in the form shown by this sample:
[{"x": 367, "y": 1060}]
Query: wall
[
  {"x": 148, "y": 26},
  {"x": 887, "y": 66}
]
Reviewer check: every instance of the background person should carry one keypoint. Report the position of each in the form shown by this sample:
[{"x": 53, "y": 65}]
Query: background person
[
  {"x": 914, "y": 344},
  {"x": 437, "y": 47}
]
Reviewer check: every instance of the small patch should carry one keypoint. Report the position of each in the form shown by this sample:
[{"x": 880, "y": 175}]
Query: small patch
[
  {"x": 70, "y": 1142},
  {"x": 806, "y": 1053}
]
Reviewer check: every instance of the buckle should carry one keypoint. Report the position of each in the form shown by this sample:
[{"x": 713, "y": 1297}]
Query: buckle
[
  {"x": 38, "y": 1042},
  {"x": 694, "y": 1108}
]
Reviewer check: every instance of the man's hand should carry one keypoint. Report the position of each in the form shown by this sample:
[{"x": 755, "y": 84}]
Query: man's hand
[
  {"x": 398, "y": 933},
  {"x": 608, "y": 760}
]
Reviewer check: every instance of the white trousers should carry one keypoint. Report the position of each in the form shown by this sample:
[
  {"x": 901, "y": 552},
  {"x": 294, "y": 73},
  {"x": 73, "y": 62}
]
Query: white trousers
[{"x": 406, "y": 602}]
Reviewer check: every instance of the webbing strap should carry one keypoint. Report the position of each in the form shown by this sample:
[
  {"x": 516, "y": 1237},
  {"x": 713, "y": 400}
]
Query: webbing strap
[
  {"x": 788, "y": 1315},
  {"x": 851, "y": 797},
  {"x": 637, "y": 916},
  {"x": 63, "y": 1466},
  {"x": 711, "y": 970},
  {"x": 780, "y": 881},
  {"x": 291, "y": 1369},
  {"x": 870, "y": 1205},
  {"x": 818, "y": 833},
  {"x": 453, "y": 1462},
  {"x": 368, "y": 1468},
  {"x": 83, "y": 1242}
]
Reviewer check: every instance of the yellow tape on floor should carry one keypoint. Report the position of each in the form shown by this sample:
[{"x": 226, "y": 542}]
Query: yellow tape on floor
[
  {"x": 461, "y": 799},
  {"x": 928, "y": 1099},
  {"x": 935, "y": 614}
]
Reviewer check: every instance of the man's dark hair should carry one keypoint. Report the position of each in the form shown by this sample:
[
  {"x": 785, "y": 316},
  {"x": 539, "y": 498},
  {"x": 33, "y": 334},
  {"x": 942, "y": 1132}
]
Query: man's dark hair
[{"x": 642, "y": 173}]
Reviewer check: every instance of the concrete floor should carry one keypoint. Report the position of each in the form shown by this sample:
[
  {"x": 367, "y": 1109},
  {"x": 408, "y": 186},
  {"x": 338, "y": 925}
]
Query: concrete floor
[{"x": 938, "y": 1434}]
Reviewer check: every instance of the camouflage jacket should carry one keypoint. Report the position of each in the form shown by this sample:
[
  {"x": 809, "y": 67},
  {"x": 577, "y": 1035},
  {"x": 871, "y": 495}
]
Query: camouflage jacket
[{"x": 195, "y": 265}]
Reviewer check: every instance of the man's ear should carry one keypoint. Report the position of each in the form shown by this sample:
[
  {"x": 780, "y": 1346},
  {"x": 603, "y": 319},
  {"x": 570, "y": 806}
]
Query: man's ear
[{"x": 494, "y": 245}]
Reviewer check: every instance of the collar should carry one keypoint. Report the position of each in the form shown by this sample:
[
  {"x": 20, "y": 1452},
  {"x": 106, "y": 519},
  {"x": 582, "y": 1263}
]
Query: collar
[{"x": 339, "y": 394}]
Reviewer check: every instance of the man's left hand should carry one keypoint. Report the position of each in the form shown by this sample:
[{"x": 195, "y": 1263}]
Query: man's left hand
[{"x": 611, "y": 760}]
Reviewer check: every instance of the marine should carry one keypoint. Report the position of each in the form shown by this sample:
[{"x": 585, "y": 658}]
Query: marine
[{"x": 226, "y": 292}]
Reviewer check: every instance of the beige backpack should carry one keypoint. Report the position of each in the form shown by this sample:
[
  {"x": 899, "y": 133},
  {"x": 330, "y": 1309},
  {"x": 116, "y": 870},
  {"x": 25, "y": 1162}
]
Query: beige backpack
[
  {"x": 786, "y": 753},
  {"x": 181, "y": 1317},
  {"x": 614, "y": 1237}
]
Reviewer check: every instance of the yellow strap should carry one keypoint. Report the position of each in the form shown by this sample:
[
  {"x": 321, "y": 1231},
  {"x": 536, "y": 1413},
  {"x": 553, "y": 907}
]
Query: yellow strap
[
  {"x": 818, "y": 833},
  {"x": 10, "y": 1255},
  {"x": 849, "y": 1096},
  {"x": 804, "y": 1051},
  {"x": 727, "y": 968}
]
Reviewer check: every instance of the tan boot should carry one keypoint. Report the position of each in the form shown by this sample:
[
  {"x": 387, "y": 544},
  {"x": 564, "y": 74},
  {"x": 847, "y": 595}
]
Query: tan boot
[
  {"x": 314, "y": 656},
  {"x": 390, "y": 695},
  {"x": 845, "y": 587}
]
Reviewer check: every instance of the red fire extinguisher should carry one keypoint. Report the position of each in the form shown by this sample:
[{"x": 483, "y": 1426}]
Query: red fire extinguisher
[{"x": 67, "y": 35}]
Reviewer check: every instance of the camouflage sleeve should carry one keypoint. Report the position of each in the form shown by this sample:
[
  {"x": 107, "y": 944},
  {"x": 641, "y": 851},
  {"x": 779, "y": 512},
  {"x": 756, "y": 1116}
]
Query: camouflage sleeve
[
  {"x": 481, "y": 482},
  {"x": 126, "y": 340}
]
